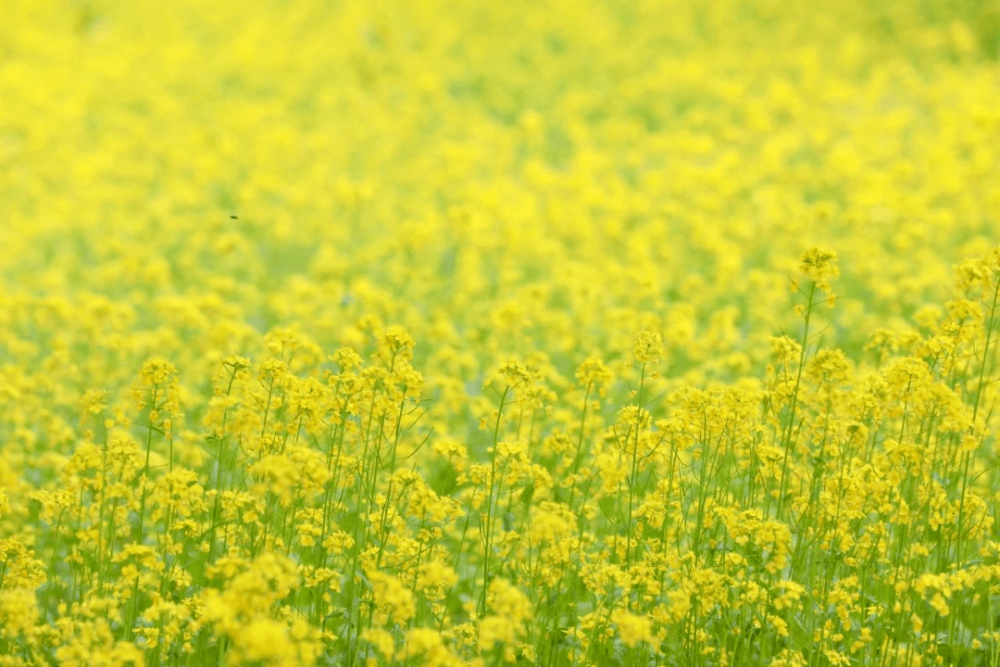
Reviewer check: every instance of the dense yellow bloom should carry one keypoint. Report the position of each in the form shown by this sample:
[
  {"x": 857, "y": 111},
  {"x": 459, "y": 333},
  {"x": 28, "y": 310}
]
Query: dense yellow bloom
[
  {"x": 391, "y": 595},
  {"x": 381, "y": 639},
  {"x": 263, "y": 640},
  {"x": 18, "y": 612},
  {"x": 428, "y": 645},
  {"x": 633, "y": 628},
  {"x": 510, "y": 608},
  {"x": 820, "y": 265},
  {"x": 264, "y": 266},
  {"x": 648, "y": 348},
  {"x": 593, "y": 372}
]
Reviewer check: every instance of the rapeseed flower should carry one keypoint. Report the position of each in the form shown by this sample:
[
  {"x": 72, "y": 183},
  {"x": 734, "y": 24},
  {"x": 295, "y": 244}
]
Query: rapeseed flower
[{"x": 258, "y": 289}]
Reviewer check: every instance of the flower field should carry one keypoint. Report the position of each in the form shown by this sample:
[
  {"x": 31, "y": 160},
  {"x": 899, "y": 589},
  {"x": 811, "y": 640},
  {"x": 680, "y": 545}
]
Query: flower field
[{"x": 570, "y": 333}]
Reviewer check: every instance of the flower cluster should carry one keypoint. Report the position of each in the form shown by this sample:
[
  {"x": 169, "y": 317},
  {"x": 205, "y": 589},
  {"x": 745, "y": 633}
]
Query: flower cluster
[{"x": 458, "y": 334}]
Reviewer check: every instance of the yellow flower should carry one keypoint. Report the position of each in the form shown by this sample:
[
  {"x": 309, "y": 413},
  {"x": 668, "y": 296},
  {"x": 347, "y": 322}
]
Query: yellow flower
[
  {"x": 392, "y": 595},
  {"x": 263, "y": 640},
  {"x": 648, "y": 348},
  {"x": 820, "y": 265},
  {"x": 380, "y": 639},
  {"x": 511, "y": 610},
  {"x": 593, "y": 373},
  {"x": 940, "y": 605},
  {"x": 634, "y": 628},
  {"x": 18, "y": 612},
  {"x": 428, "y": 644}
]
